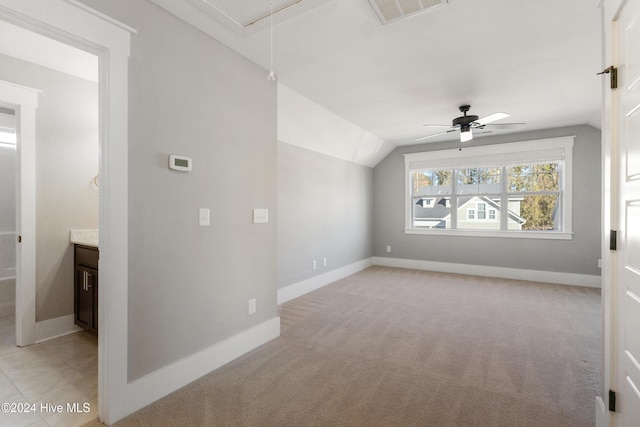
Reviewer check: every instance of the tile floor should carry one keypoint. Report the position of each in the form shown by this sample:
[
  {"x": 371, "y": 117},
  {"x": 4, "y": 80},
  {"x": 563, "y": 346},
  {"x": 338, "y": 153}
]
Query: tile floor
[{"x": 56, "y": 372}]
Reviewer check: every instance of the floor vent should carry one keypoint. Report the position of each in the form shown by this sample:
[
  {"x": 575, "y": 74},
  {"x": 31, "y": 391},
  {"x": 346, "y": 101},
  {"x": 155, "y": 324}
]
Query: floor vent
[{"x": 394, "y": 10}]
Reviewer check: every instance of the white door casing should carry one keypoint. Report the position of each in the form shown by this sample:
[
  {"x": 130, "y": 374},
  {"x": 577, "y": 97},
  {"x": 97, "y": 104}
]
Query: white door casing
[{"x": 622, "y": 282}]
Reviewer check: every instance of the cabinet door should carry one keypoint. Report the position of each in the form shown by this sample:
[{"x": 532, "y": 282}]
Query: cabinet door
[
  {"x": 92, "y": 286},
  {"x": 86, "y": 298}
]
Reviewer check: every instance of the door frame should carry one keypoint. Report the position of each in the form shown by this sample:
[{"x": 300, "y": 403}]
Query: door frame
[{"x": 73, "y": 23}]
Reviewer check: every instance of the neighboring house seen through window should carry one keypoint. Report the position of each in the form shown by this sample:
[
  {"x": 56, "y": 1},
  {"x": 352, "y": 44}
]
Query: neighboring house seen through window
[{"x": 519, "y": 189}]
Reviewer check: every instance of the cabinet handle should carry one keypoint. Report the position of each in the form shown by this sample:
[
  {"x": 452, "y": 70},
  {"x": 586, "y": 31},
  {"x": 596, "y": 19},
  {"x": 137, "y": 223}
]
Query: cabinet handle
[{"x": 85, "y": 280}]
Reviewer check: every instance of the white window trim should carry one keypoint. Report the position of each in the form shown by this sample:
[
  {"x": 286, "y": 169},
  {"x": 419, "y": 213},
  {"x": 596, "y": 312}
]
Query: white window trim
[{"x": 477, "y": 156}]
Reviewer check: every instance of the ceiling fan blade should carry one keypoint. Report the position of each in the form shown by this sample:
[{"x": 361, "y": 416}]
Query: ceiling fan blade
[
  {"x": 437, "y": 126},
  {"x": 505, "y": 125},
  {"x": 434, "y": 135},
  {"x": 482, "y": 132},
  {"x": 491, "y": 118}
]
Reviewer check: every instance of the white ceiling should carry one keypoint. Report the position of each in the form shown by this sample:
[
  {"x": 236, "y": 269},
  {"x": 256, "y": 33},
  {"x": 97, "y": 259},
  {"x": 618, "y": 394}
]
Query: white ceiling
[{"x": 536, "y": 60}]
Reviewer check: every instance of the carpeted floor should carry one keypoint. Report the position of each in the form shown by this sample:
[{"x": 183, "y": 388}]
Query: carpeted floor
[{"x": 394, "y": 347}]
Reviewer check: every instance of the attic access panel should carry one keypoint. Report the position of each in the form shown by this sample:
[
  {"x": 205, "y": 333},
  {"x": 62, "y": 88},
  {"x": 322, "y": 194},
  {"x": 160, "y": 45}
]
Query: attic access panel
[
  {"x": 247, "y": 12},
  {"x": 394, "y": 10},
  {"x": 246, "y": 17}
]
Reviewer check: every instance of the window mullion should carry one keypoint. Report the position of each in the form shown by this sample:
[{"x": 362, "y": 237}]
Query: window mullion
[
  {"x": 454, "y": 199},
  {"x": 504, "y": 199},
  {"x": 412, "y": 190},
  {"x": 561, "y": 223}
]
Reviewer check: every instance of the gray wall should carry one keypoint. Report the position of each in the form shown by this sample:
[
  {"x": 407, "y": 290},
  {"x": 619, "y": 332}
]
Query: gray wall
[
  {"x": 324, "y": 211},
  {"x": 66, "y": 162},
  {"x": 190, "y": 95},
  {"x": 579, "y": 255}
]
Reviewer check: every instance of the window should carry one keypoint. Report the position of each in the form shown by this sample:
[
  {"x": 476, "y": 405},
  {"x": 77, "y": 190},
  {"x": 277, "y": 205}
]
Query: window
[
  {"x": 519, "y": 189},
  {"x": 7, "y": 128},
  {"x": 427, "y": 202},
  {"x": 482, "y": 211}
]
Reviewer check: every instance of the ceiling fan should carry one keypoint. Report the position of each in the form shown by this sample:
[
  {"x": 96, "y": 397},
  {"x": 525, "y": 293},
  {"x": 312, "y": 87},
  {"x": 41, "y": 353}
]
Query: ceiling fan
[{"x": 466, "y": 123}]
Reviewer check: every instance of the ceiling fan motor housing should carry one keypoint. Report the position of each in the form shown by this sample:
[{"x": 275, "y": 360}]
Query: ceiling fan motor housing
[{"x": 464, "y": 122}]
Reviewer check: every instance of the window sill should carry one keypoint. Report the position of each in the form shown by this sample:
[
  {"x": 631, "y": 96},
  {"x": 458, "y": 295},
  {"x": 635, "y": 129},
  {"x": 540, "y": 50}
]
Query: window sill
[{"x": 549, "y": 235}]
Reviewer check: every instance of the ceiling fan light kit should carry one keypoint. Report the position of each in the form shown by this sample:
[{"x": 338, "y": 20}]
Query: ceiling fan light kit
[
  {"x": 464, "y": 123},
  {"x": 467, "y": 122}
]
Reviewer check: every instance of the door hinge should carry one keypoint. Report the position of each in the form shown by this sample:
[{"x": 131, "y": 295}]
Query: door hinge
[
  {"x": 612, "y": 401},
  {"x": 613, "y": 240},
  {"x": 613, "y": 76}
]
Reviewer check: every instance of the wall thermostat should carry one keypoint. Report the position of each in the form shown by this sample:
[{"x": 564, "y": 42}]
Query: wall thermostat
[{"x": 179, "y": 163}]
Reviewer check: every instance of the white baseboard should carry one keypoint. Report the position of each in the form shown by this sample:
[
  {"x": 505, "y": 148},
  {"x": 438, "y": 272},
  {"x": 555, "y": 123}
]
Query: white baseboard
[
  {"x": 601, "y": 413},
  {"x": 154, "y": 386},
  {"x": 55, "y": 328},
  {"x": 304, "y": 287},
  {"x": 488, "y": 271}
]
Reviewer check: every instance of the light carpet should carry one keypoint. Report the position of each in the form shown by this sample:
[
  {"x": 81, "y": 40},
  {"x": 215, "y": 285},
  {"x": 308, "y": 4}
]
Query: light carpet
[{"x": 397, "y": 347}]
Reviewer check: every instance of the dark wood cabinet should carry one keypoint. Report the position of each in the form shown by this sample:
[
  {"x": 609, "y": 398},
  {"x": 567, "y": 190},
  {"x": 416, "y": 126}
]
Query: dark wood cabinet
[{"x": 86, "y": 288}]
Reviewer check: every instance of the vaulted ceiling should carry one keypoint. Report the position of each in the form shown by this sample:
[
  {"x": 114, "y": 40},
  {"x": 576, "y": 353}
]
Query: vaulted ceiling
[{"x": 536, "y": 60}]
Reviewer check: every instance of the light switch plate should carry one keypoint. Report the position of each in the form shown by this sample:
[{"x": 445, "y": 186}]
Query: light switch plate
[
  {"x": 203, "y": 217},
  {"x": 260, "y": 216}
]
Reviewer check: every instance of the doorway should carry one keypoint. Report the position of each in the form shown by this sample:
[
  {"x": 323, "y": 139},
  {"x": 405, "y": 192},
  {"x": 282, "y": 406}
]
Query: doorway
[
  {"x": 23, "y": 102},
  {"x": 77, "y": 25},
  {"x": 54, "y": 183},
  {"x": 7, "y": 225},
  {"x": 56, "y": 174}
]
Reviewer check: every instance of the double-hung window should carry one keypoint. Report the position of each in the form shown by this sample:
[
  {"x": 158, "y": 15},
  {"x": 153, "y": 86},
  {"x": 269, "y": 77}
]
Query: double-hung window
[{"x": 520, "y": 189}]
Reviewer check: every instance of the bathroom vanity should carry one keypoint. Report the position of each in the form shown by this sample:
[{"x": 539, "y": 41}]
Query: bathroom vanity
[{"x": 85, "y": 257}]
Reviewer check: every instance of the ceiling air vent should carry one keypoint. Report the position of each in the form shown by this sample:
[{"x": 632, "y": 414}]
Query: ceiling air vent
[{"x": 394, "y": 10}]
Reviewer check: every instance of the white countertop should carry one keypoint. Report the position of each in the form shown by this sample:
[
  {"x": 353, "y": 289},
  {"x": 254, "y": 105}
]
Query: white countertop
[{"x": 87, "y": 237}]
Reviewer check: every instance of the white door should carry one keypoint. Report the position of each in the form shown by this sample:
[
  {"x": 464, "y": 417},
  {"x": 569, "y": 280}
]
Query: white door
[{"x": 623, "y": 17}]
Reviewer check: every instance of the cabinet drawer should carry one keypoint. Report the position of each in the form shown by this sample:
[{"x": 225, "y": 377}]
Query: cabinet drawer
[{"x": 86, "y": 256}]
